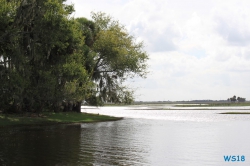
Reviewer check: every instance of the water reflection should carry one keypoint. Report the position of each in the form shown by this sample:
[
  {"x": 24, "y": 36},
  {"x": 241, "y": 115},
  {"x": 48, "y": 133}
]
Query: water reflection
[
  {"x": 177, "y": 137},
  {"x": 115, "y": 143},
  {"x": 107, "y": 143},
  {"x": 54, "y": 145}
]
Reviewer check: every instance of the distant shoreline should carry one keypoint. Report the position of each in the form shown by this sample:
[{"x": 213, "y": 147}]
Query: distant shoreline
[
  {"x": 235, "y": 113},
  {"x": 185, "y": 109}
]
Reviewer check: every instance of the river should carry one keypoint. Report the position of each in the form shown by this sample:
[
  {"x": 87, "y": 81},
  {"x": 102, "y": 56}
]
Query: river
[{"x": 146, "y": 136}]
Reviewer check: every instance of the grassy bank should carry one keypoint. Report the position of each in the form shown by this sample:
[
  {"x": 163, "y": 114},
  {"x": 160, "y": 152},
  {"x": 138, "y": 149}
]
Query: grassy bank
[
  {"x": 235, "y": 113},
  {"x": 52, "y": 118},
  {"x": 215, "y": 105}
]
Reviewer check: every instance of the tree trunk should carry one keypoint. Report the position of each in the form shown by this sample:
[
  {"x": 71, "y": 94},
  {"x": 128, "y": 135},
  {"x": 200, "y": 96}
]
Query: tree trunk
[{"x": 78, "y": 107}]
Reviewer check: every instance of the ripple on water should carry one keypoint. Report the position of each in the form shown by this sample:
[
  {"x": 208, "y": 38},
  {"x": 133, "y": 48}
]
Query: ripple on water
[
  {"x": 174, "y": 114},
  {"x": 147, "y": 137}
]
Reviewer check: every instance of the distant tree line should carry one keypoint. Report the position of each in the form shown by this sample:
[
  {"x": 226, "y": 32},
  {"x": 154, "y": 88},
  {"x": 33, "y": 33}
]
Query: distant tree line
[
  {"x": 238, "y": 99},
  {"x": 52, "y": 61}
]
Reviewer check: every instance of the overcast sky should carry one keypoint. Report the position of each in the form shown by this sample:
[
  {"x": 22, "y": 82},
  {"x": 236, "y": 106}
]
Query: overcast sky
[{"x": 198, "y": 49}]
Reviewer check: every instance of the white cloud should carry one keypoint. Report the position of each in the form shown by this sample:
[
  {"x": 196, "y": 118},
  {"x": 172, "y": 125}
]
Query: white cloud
[
  {"x": 152, "y": 23},
  {"x": 178, "y": 76},
  {"x": 198, "y": 49},
  {"x": 233, "y": 22}
]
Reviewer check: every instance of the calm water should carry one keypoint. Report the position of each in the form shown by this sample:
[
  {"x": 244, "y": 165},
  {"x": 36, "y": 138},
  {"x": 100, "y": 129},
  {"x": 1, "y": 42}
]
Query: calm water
[{"x": 144, "y": 137}]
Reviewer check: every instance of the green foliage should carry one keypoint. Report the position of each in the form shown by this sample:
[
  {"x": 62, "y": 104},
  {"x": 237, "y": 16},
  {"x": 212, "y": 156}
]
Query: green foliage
[
  {"x": 95, "y": 100},
  {"x": 49, "y": 60},
  {"x": 117, "y": 51},
  {"x": 43, "y": 63},
  {"x": 112, "y": 58}
]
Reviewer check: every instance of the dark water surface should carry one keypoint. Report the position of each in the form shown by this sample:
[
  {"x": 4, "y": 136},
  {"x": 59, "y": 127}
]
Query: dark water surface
[{"x": 182, "y": 138}]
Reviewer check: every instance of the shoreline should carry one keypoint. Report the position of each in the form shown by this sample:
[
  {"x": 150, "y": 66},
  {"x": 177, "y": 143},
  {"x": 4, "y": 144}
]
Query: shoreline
[
  {"x": 49, "y": 118},
  {"x": 186, "y": 109},
  {"x": 240, "y": 113}
]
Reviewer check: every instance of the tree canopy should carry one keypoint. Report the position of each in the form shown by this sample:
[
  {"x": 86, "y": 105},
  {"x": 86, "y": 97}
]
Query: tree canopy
[{"x": 52, "y": 61}]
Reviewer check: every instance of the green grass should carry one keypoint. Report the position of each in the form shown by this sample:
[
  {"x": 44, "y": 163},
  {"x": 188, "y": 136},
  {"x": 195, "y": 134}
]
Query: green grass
[
  {"x": 116, "y": 105},
  {"x": 235, "y": 113},
  {"x": 52, "y": 118},
  {"x": 215, "y": 105}
]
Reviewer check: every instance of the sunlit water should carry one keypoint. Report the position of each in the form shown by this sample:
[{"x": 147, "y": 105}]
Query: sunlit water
[
  {"x": 203, "y": 114},
  {"x": 144, "y": 137}
]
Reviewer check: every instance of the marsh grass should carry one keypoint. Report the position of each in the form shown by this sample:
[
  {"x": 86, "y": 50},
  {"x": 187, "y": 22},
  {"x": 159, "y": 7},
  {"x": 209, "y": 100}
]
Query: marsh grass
[
  {"x": 215, "y": 105},
  {"x": 235, "y": 113},
  {"x": 52, "y": 118}
]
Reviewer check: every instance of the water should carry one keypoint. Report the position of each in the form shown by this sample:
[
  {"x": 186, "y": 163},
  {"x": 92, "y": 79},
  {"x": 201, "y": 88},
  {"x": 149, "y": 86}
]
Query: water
[
  {"x": 209, "y": 114},
  {"x": 144, "y": 137}
]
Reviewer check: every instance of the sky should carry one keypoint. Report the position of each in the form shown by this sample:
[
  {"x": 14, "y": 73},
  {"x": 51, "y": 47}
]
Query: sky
[{"x": 198, "y": 49}]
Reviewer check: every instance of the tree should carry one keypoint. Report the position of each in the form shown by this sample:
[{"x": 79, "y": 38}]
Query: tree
[
  {"x": 241, "y": 99},
  {"x": 233, "y": 99},
  {"x": 112, "y": 55},
  {"x": 49, "y": 60},
  {"x": 42, "y": 56}
]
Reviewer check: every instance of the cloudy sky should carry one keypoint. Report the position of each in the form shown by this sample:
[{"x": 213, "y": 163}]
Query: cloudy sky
[{"x": 198, "y": 49}]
